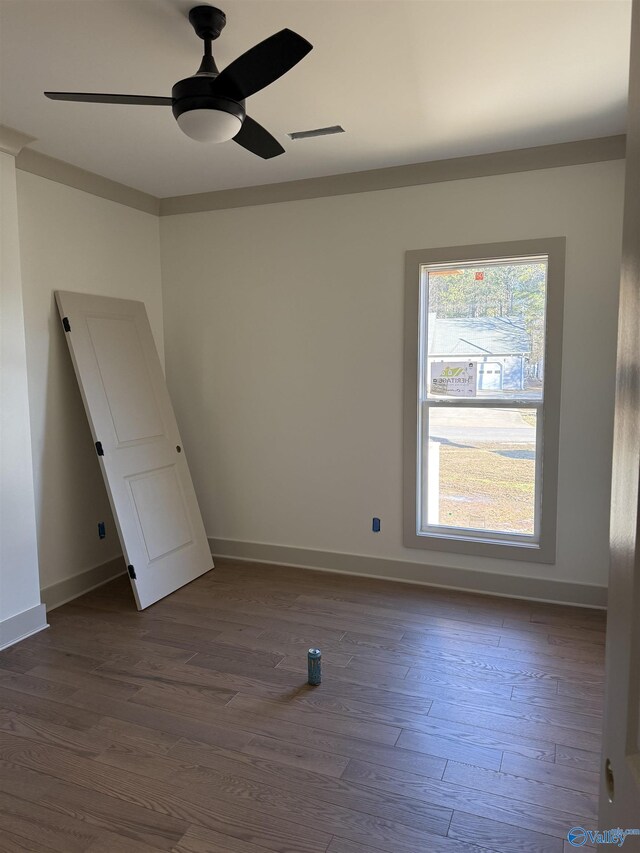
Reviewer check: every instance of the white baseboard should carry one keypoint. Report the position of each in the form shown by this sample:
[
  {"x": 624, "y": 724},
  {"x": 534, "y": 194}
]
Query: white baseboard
[
  {"x": 22, "y": 625},
  {"x": 467, "y": 580},
  {"x": 60, "y": 593}
]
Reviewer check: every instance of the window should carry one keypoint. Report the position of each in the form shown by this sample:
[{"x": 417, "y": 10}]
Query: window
[{"x": 483, "y": 343}]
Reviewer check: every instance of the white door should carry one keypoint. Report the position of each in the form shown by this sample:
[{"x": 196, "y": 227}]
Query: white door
[
  {"x": 620, "y": 777},
  {"x": 490, "y": 376},
  {"x": 137, "y": 441}
]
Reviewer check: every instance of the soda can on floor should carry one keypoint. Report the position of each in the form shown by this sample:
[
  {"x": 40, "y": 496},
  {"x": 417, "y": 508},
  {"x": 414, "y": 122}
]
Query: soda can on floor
[{"x": 314, "y": 662}]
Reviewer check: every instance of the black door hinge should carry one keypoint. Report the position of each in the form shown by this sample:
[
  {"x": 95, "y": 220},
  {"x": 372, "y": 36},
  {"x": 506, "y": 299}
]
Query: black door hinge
[
  {"x": 132, "y": 572},
  {"x": 99, "y": 449},
  {"x": 66, "y": 325}
]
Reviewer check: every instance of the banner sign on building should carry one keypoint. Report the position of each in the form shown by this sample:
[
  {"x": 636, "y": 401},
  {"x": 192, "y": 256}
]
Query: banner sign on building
[{"x": 454, "y": 378}]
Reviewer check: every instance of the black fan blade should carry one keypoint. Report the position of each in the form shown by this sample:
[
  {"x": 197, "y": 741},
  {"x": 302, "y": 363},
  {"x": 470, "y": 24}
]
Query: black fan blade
[
  {"x": 261, "y": 65},
  {"x": 256, "y": 139},
  {"x": 88, "y": 97}
]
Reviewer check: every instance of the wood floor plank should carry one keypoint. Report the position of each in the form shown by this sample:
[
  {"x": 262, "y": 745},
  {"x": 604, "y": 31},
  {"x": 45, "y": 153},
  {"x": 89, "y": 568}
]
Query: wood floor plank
[
  {"x": 39, "y": 824},
  {"x": 223, "y": 653},
  {"x": 127, "y": 733},
  {"x": 280, "y": 684},
  {"x": 446, "y": 722},
  {"x": 554, "y": 774},
  {"x": 195, "y": 702},
  {"x": 397, "y": 695},
  {"x": 173, "y": 724},
  {"x": 412, "y": 608},
  {"x": 313, "y": 608},
  {"x": 441, "y": 682},
  {"x": 239, "y": 795},
  {"x": 107, "y": 646},
  {"x": 546, "y": 715},
  {"x": 583, "y": 689},
  {"x": 197, "y": 636},
  {"x": 289, "y": 653},
  {"x": 439, "y": 628},
  {"x": 112, "y": 843},
  {"x": 47, "y": 709},
  {"x": 519, "y": 723},
  {"x": 464, "y": 742},
  {"x": 514, "y": 627},
  {"x": 435, "y": 649},
  {"x": 500, "y": 837},
  {"x": 78, "y": 617},
  {"x": 354, "y": 748},
  {"x": 24, "y": 783},
  {"x": 295, "y": 660},
  {"x": 199, "y": 840},
  {"x": 12, "y": 843},
  {"x": 203, "y": 614},
  {"x": 570, "y": 848},
  {"x": 154, "y": 674},
  {"x": 271, "y": 829},
  {"x": 26, "y": 655},
  {"x": 557, "y": 644},
  {"x": 565, "y": 614},
  {"x": 344, "y": 725},
  {"x": 537, "y": 696},
  {"x": 84, "y": 742},
  {"x": 412, "y": 652},
  {"x": 511, "y": 671},
  {"x": 94, "y": 680},
  {"x": 437, "y": 635},
  {"x": 527, "y": 815},
  {"x": 314, "y": 621},
  {"x": 27, "y": 683},
  {"x": 432, "y": 844},
  {"x": 364, "y": 712},
  {"x": 110, "y": 818},
  {"x": 296, "y": 755},
  {"x": 580, "y": 759},
  {"x": 136, "y": 759},
  {"x": 518, "y": 788},
  {"x": 96, "y": 815},
  {"x": 316, "y": 787}
]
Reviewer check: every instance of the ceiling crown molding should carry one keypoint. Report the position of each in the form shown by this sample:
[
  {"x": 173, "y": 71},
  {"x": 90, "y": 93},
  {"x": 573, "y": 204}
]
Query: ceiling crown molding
[
  {"x": 80, "y": 179},
  {"x": 13, "y": 141},
  {"x": 395, "y": 177},
  {"x": 392, "y": 177}
]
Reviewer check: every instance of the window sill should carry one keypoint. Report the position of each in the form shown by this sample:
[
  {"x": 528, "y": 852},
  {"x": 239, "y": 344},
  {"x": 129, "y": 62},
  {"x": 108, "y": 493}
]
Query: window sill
[{"x": 494, "y": 548}]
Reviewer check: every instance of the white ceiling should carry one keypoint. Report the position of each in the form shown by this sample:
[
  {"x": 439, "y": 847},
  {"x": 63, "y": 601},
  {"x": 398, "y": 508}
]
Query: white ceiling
[{"x": 409, "y": 80}]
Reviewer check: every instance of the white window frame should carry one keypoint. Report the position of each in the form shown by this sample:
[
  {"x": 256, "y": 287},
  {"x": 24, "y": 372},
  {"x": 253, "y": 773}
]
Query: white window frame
[{"x": 539, "y": 547}]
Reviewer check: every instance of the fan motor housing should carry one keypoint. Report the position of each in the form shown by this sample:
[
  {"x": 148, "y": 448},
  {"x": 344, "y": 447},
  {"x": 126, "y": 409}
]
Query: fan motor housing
[
  {"x": 207, "y": 21},
  {"x": 194, "y": 93}
]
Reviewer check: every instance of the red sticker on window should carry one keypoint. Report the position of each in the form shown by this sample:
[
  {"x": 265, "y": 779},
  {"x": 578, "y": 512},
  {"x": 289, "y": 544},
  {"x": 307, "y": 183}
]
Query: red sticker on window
[{"x": 479, "y": 276}]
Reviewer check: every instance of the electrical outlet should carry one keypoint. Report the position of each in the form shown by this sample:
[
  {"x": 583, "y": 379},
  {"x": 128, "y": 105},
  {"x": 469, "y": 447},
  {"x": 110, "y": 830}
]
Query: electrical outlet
[{"x": 102, "y": 531}]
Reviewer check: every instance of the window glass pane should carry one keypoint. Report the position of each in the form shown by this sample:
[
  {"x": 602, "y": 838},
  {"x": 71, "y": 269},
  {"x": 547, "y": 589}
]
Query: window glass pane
[
  {"x": 479, "y": 469},
  {"x": 484, "y": 330}
]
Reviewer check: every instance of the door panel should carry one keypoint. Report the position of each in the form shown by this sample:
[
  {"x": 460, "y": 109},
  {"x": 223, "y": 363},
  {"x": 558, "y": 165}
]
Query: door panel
[
  {"x": 156, "y": 495},
  {"x": 620, "y": 770},
  {"x": 118, "y": 352},
  {"x": 144, "y": 468}
]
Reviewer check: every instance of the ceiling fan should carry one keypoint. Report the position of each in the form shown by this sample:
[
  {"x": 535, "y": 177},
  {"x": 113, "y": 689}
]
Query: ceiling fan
[{"x": 210, "y": 105}]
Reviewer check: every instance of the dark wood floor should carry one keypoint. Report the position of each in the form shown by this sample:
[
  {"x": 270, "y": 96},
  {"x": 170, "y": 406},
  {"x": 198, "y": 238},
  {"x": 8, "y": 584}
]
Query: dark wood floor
[{"x": 445, "y": 723}]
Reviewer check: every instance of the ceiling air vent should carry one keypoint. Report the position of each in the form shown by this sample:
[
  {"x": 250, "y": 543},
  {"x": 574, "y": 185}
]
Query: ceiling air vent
[{"x": 319, "y": 131}]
